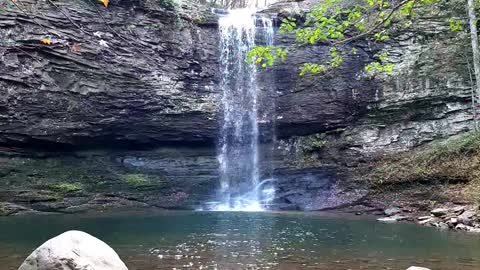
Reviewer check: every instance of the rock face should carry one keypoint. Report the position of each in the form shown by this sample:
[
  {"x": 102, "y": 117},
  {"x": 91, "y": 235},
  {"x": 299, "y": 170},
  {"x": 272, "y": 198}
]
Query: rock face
[
  {"x": 131, "y": 73},
  {"x": 139, "y": 78},
  {"x": 73, "y": 250}
]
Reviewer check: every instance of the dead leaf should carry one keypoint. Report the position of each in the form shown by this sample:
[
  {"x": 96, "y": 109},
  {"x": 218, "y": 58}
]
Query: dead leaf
[
  {"x": 75, "y": 47},
  {"x": 46, "y": 41},
  {"x": 104, "y": 2}
]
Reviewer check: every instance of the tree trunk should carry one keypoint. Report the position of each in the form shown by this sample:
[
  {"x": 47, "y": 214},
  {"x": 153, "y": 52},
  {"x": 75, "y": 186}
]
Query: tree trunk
[{"x": 472, "y": 19}]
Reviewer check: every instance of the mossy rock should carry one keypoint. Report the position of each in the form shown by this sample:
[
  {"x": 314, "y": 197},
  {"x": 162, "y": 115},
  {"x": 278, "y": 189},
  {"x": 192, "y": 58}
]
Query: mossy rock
[
  {"x": 143, "y": 182},
  {"x": 3, "y": 211},
  {"x": 66, "y": 188},
  {"x": 135, "y": 179}
]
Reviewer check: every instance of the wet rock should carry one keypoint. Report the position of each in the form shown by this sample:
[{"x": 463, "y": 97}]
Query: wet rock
[
  {"x": 7, "y": 209},
  {"x": 452, "y": 222},
  {"x": 441, "y": 225},
  {"x": 393, "y": 219},
  {"x": 392, "y": 211},
  {"x": 427, "y": 221},
  {"x": 467, "y": 217},
  {"x": 463, "y": 227},
  {"x": 439, "y": 212},
  {"x": 458, "y": 209},
  {"x": 424, "y": 217},
  {"x": 73, "y": 250}
]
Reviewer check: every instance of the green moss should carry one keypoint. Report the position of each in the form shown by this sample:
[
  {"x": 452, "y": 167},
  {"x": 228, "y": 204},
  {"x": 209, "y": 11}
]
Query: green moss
[
  {"x": 3, "y": 211},
  {"x": 136, "y": 179},
  {"x": 66, "y": 188},
  {"x": 452, "y": 161},
  {"x": 314, "y": 142}
]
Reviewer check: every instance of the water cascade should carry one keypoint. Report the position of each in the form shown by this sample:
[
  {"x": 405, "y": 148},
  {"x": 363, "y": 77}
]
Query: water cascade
[{"x": 241, "y": 187}]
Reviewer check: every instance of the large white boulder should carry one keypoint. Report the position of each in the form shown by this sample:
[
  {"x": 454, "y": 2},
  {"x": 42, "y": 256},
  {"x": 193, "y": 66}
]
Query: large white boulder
[{"x": 73, "y": 250}]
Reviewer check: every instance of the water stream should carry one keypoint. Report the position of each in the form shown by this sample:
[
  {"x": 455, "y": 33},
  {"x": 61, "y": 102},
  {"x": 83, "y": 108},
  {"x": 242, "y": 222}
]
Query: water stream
[{"x": 241, "y": 187}]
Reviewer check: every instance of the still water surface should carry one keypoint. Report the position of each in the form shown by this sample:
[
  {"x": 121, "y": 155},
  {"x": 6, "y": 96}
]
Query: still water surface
[{"x": 235, "y": 240}]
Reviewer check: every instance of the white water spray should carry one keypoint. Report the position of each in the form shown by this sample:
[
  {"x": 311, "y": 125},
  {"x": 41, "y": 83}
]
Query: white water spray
[{"x": 240, "y": 186}]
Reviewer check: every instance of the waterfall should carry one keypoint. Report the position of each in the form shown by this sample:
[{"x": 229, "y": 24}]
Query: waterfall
[{"x": 240, "y": 185}]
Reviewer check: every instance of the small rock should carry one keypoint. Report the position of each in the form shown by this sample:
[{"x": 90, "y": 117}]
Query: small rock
[
  {"x": 392, "y": 211},
  {"x": 439, "y": 212},
  {"x": 426, "y": 221},
  {"x": 453, "y": 221},
  {"x": 475, "y": 230},
  {"x": 424, "y": 217},
  {"x": 387, "y": 219},
  {"x": 441, "y": 225},
  {"x": 458, "y": 209},
  {"x": 393, "y": 219},
  {"x": 463, "y": 227},
  {"x": 417, "y": 268}
]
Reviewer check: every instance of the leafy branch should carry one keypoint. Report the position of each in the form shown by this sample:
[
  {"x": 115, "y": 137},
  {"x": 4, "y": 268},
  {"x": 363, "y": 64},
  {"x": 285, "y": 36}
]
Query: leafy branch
[{"x": 337, "y": 24}]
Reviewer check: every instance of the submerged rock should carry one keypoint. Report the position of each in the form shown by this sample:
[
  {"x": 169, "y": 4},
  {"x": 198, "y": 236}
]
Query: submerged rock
[{"x": 73, "y": 250}]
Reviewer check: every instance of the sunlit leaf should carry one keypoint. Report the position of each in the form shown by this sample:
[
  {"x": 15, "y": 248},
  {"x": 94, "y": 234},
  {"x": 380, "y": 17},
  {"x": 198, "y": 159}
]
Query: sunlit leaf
[
  {"x": 104, "y": 2},
  {"x": 46, "y": 41}
]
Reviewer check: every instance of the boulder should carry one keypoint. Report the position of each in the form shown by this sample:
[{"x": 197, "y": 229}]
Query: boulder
[
  {"x": 466, "y": 217},
  {"x": 73, "y": 250},
  {"x": 392, "y": 211},
  {"x": 417, "y": 268},
  {"x": 463, "y": 227}
]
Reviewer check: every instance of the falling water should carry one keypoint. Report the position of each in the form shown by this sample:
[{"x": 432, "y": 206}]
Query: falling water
[{"x": 241, "y": 188}]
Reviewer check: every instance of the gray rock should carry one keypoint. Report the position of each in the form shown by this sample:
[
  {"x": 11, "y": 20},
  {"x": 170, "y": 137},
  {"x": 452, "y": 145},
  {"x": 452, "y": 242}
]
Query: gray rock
[
  {"x": 458, "y": 209},
  {"x": 73, "y": 250},
  {"x": 392, "y": 211},
  {"x": 441, "y": 225},
  {"x": 393, "y": 219},
  {"x": 438, "y": 212},
  {"x": 427, "y": 221},
  {"x": 463, "y": 227},
  {"x": 466, "y": 217},
  {"x": 453, "y": 221}
]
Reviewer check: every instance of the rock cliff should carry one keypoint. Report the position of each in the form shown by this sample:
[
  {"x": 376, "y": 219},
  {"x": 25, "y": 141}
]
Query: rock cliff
[{"x": 139, "y": 77}]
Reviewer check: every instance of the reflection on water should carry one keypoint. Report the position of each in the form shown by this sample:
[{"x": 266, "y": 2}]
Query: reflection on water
[{"x": 238, "y": 240}]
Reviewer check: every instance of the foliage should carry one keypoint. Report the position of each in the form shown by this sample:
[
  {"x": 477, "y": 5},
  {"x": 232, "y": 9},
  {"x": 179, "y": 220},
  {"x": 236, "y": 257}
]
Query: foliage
[
  {"x": 456, "y": 160},
  {"x": 338, "y": 23},
  {"x": 265, "y": 55},
  {"x": 104, "y": 2}
]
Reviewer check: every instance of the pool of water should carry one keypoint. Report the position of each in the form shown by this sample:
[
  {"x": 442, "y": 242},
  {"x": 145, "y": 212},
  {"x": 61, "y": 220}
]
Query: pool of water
[{"x": 231, "y": 240}]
